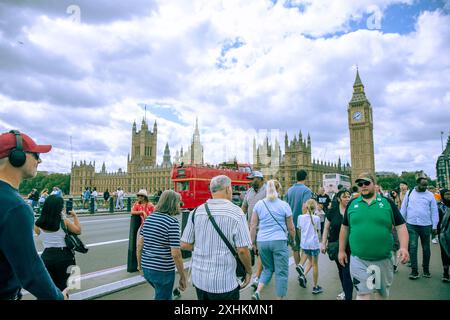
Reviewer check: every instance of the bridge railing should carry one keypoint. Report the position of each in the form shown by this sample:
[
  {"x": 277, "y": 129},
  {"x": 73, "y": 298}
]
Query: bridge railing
[{"x": 98, "y": 205}]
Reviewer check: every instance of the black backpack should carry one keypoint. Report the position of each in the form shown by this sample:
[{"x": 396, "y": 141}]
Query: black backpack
[{"x": 444, "y": 235}]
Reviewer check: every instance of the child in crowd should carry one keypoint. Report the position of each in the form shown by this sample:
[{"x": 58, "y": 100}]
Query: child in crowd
[
  {"x": 321, "y": 214},
  {"x": 308, "y": 227}
]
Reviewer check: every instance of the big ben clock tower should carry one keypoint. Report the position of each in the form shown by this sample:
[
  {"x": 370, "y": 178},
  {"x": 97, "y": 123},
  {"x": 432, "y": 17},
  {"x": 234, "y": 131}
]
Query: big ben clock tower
[{"x": 360, "y": 123}]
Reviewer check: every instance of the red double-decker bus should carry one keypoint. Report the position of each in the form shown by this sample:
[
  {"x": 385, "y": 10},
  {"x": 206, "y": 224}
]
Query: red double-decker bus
[{"x": 192, "y": 182}]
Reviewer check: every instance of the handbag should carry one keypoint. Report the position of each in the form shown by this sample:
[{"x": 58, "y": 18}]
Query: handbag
[
  {"x": 333, "y": 250},
  {"x": 288, "y": 237},
  {"x": 240, "y": 269},
  {"x": 72, "y": 241}
]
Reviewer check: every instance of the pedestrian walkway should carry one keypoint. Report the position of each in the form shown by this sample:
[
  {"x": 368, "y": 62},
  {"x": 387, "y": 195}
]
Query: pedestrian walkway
[{"x": 402, "y": 288}]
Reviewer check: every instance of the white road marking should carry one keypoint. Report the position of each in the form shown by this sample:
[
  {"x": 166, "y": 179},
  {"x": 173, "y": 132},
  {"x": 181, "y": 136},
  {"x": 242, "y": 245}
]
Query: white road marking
[
  {"x": 105, "y": 272},
  {"x": 99, "y": 244},
  {"x": 105, "y": 243},
  {"x": 119, "y": 285},
  {"x": 94, "y": 274}
]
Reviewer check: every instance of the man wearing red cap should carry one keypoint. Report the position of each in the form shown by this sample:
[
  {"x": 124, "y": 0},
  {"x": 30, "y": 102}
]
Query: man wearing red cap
[{"x": 20, "y": 264}]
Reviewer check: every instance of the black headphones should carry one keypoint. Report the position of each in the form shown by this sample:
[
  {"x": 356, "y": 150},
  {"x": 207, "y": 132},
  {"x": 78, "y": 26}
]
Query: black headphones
[{"x": 17, "y": 156}]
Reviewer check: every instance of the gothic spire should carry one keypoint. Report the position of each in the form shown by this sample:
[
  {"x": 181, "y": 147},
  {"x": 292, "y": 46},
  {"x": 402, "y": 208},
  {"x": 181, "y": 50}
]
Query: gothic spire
[
  {"x": 358, "y": 81},
  {"x": 358, "y": 96}
]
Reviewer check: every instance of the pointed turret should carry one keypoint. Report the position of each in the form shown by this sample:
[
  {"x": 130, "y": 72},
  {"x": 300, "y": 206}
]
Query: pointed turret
[
  {"x": 286, "y": 142},
  {"x": 166, "y": 158},
  {"x": 134, "y": 126},
  {"x": 358, "y": 81},
  {"x": 155, "y": 127},
  {"x": 196, "y": 132},
  {"x": 103, "y": 167},
  {"x": 300, "y": 137},
  {"x": 309, "y": 141},
  {"x": 358, "y": 90},
  {"x": 143, "y": 124}
]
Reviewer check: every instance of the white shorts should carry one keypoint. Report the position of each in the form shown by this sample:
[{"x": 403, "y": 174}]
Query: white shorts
[{"x": 372, "y": 276}]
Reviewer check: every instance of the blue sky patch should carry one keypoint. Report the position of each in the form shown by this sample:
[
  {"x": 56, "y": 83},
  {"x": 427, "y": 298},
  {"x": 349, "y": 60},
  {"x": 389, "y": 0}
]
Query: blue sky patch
[
  {"x": 398, "y": 18},
  {"x": 161, "y": 111},
  {"x": 223, "y": 62}
]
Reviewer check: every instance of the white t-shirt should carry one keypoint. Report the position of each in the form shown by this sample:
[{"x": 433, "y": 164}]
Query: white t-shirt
[{"x": 309, "y": 238}]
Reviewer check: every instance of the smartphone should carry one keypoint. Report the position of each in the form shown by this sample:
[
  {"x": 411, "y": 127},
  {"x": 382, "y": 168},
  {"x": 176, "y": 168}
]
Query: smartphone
[{"x": 69, "y": 207}]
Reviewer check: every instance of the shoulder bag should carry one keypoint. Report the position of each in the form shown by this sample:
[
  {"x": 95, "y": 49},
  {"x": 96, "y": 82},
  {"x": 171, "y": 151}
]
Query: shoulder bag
[
  {"x": 72, "y": 241},
  {"x": 333, "y": 248},
  {"x": 288, "y": 237},
  {"x": 240, "y": 269}
]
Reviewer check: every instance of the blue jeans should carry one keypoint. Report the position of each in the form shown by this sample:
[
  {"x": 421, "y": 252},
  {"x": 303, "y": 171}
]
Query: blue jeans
[
  {"x": 162, "y": 281},
  {"x": 275, "y": 258}
]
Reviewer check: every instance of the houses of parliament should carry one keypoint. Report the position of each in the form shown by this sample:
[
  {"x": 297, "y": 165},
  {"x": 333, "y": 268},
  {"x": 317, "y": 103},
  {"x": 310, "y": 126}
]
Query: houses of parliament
[{"x": 144, "y": 172}]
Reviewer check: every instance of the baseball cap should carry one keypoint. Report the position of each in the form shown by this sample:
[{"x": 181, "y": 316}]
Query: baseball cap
[
  {"x": 255, "y": 174},
  {"x": 365, "y": 176},
  {"x": 420, "y": 175},
  {"x": 8, "y": 142}
]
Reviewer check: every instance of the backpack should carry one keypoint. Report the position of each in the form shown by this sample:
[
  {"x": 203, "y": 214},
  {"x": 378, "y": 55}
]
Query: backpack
[{"x": 444, "y": 235}]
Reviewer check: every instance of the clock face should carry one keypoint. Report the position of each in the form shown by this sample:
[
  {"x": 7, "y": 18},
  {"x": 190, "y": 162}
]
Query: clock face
[{"x": 357, "y": 116}]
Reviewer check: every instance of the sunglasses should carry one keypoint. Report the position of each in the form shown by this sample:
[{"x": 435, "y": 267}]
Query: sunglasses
[
  {"x": 365, "y": 183},
  {"x": 35, "y": 155}
]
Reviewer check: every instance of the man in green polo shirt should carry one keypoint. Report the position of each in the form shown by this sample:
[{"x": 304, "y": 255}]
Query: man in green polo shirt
[{"x": 367, "y": 228}]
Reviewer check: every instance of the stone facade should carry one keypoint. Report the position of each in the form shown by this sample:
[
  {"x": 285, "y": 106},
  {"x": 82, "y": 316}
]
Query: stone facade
[
  {"x": 360, "y": 122},
  {"x": 274, "y": 165},
  {"x": 443, "y": 167},
  {"x": 194, "y": 154},
  {"x": 142, "y": 169},
  {"x": 143, "y": 172}
]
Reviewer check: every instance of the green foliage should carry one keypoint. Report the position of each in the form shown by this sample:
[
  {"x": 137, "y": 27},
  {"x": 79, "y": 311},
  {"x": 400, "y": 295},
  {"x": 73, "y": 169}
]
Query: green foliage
[
  {"x": 389, "y": 182},
  {"x": 44, "y": 180},
  {"x": 393, "y": 181}
]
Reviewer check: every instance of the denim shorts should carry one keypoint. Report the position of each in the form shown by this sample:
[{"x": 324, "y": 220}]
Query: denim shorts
[{"x": 312, "y": 253}]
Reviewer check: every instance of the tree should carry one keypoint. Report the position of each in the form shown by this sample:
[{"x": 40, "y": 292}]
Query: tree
[
  {"x": 44, "y": 180},
  {"x": 393, "y": 181},
  {"x": 389, "y": 182}
]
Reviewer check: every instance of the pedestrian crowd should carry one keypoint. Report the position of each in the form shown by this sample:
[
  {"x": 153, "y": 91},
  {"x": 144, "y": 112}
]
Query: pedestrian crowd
[{"x": 365, "y": 232}]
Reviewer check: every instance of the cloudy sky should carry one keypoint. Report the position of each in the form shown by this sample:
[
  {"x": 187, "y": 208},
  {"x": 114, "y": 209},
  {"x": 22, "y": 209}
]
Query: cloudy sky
[{"x": 85, "y": 69}]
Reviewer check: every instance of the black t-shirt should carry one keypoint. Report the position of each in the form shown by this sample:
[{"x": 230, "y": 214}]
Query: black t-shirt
[
  {"x": 335, "y": 218},
  {"x": 324, "y": 200}
]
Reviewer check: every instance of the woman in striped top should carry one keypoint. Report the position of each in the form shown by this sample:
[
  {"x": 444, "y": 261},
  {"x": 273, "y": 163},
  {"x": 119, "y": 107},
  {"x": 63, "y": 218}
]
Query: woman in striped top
[{"x": 158, "y": 249}]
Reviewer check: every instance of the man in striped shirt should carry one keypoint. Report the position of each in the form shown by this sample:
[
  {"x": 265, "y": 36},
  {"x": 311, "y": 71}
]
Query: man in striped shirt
[{"x": 213, "y": 264}]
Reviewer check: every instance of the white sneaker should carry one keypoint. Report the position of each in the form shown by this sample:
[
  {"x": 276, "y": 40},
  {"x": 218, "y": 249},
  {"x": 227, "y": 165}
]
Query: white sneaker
[
  {"x": 341, "y": 296},
  {"x": 255, "y": 282},
  {"x": 435, "y": 241}
]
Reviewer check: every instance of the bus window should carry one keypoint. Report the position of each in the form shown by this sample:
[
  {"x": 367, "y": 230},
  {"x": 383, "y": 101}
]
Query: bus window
[
  {"x": 330, "y": 176},
  {"x": 183, "y": 186},
  {"x": 245, "y": 169},
  {"x": 181, "y": 173}
]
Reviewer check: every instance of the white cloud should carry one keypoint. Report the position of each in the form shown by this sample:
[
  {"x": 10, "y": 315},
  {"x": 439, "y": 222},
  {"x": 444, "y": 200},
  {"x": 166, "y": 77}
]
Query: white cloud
[{"x": 279, "y": 78}]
